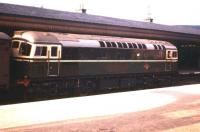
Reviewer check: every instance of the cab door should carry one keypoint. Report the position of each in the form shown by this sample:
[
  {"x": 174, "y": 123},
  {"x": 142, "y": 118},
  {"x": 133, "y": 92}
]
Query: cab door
[
  {"x": 168, "y": 64},
  {"x": 171, "y": 57},
  {"x": 54, "y": 56}
]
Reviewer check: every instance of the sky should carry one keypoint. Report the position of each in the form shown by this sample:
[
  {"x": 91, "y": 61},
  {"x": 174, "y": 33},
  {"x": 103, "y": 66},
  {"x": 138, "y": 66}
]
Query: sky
[{"x": 169, "y": 12}]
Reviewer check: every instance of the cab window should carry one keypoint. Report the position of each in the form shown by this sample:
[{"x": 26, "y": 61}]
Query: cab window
[
  {"x": 25, "y": 49},
  {"x": 15, "y": 44},
  {"x": 41, "y": 51},
  {"x": 174, "y": 54},
  {"x": 53, "y": 51}
]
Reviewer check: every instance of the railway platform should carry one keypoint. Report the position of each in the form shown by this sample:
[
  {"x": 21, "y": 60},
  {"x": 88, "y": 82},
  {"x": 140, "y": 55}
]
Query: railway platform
[{"x": 171, "y": 109}]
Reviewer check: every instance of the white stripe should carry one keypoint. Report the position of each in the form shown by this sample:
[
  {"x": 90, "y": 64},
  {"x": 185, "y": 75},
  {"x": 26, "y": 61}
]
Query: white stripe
[
  {"x": 97, "y": 61},
  {"x": 114, "y": 61}
]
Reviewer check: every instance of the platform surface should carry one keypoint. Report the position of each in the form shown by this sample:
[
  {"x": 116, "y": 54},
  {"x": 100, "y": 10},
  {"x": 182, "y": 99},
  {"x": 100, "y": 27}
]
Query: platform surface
[{"x": 172, "y": 109}]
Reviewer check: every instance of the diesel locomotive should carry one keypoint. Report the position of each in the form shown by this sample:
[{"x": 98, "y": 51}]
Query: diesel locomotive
[{"x": 47, "y": 62}]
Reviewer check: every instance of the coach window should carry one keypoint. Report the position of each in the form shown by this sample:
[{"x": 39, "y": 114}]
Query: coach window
[
  {"x": 41, "y": 51},
  {"x": 54, "y": 51}
]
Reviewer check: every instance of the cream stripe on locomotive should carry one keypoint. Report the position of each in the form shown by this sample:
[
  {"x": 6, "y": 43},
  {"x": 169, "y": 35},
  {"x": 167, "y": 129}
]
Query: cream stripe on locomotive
[{"x": 92, "y": 61}]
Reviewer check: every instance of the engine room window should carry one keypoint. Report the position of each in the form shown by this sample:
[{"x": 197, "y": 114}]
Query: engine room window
[
  {"x": 15, "y": 44},
  {"x": 159, "y": 47},
  {"x": 113, "y": 44},
  {"x": 163, "y": 47},
  {"x": 155, "y": 46},
  {"x": 144, "y": 46},
  {"x": 53, "y": 51},
  {"x": 140, "y": 46},
  {"x": 41, "y": 51},
  {"x": 119, "y": 45},
  {"x": 25, "y": 49},
  {"x": 124, "y": 45},
  {"x": 134, "y": 45},
  {"x": 108, "y": 44},
  {"x": 102, "y": 44},
  {"x": 130, "y": 45}
]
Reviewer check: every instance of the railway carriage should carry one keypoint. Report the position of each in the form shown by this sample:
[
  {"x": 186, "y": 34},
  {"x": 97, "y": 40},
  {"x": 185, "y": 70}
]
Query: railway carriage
[
  {"x": 4, "y": 61},
  {"x": 87, "y": 62}
]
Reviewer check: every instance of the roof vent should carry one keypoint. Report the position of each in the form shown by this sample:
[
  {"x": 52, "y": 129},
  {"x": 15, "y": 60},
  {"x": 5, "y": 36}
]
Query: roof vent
[
  {"x": 84, "y": 10},
  {"x": 149, "y": 15},
  {"x": 149, "y": 19}
]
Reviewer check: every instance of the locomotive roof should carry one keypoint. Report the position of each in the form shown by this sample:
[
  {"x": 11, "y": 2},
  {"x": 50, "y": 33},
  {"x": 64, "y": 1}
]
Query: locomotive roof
[
  {"x": 4, "y": 36},
  {"x": 80, "y": 40},
  {"x": 36, "y": 12},
  {"x": 36, "y": 37}
]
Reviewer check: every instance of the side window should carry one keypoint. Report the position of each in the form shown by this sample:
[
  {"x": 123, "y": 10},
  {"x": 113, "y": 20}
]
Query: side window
[
  {"x": 41, "y": 51},
  {"x": 54, "y": 51}
]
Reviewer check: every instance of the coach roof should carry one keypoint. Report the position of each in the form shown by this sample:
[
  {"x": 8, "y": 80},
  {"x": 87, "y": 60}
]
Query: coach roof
[{"x": 4, "y": 36}]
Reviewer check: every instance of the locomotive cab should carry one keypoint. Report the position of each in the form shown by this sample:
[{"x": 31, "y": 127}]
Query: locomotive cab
[
  {"x": 35, "y": 55},
  {"x": 171, "y": 54},
  {"x": 21, "y": 49},
  {"x": 30, "y": 50}
]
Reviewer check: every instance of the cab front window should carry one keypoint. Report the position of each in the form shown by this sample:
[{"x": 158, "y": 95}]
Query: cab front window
[
  {"x": 25, "y": 49},
  {"x": 15, "y": 44}
]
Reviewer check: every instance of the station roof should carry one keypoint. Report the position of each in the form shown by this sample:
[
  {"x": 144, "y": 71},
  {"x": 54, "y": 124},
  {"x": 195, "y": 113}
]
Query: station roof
[{"x": 42, "y": 13}]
